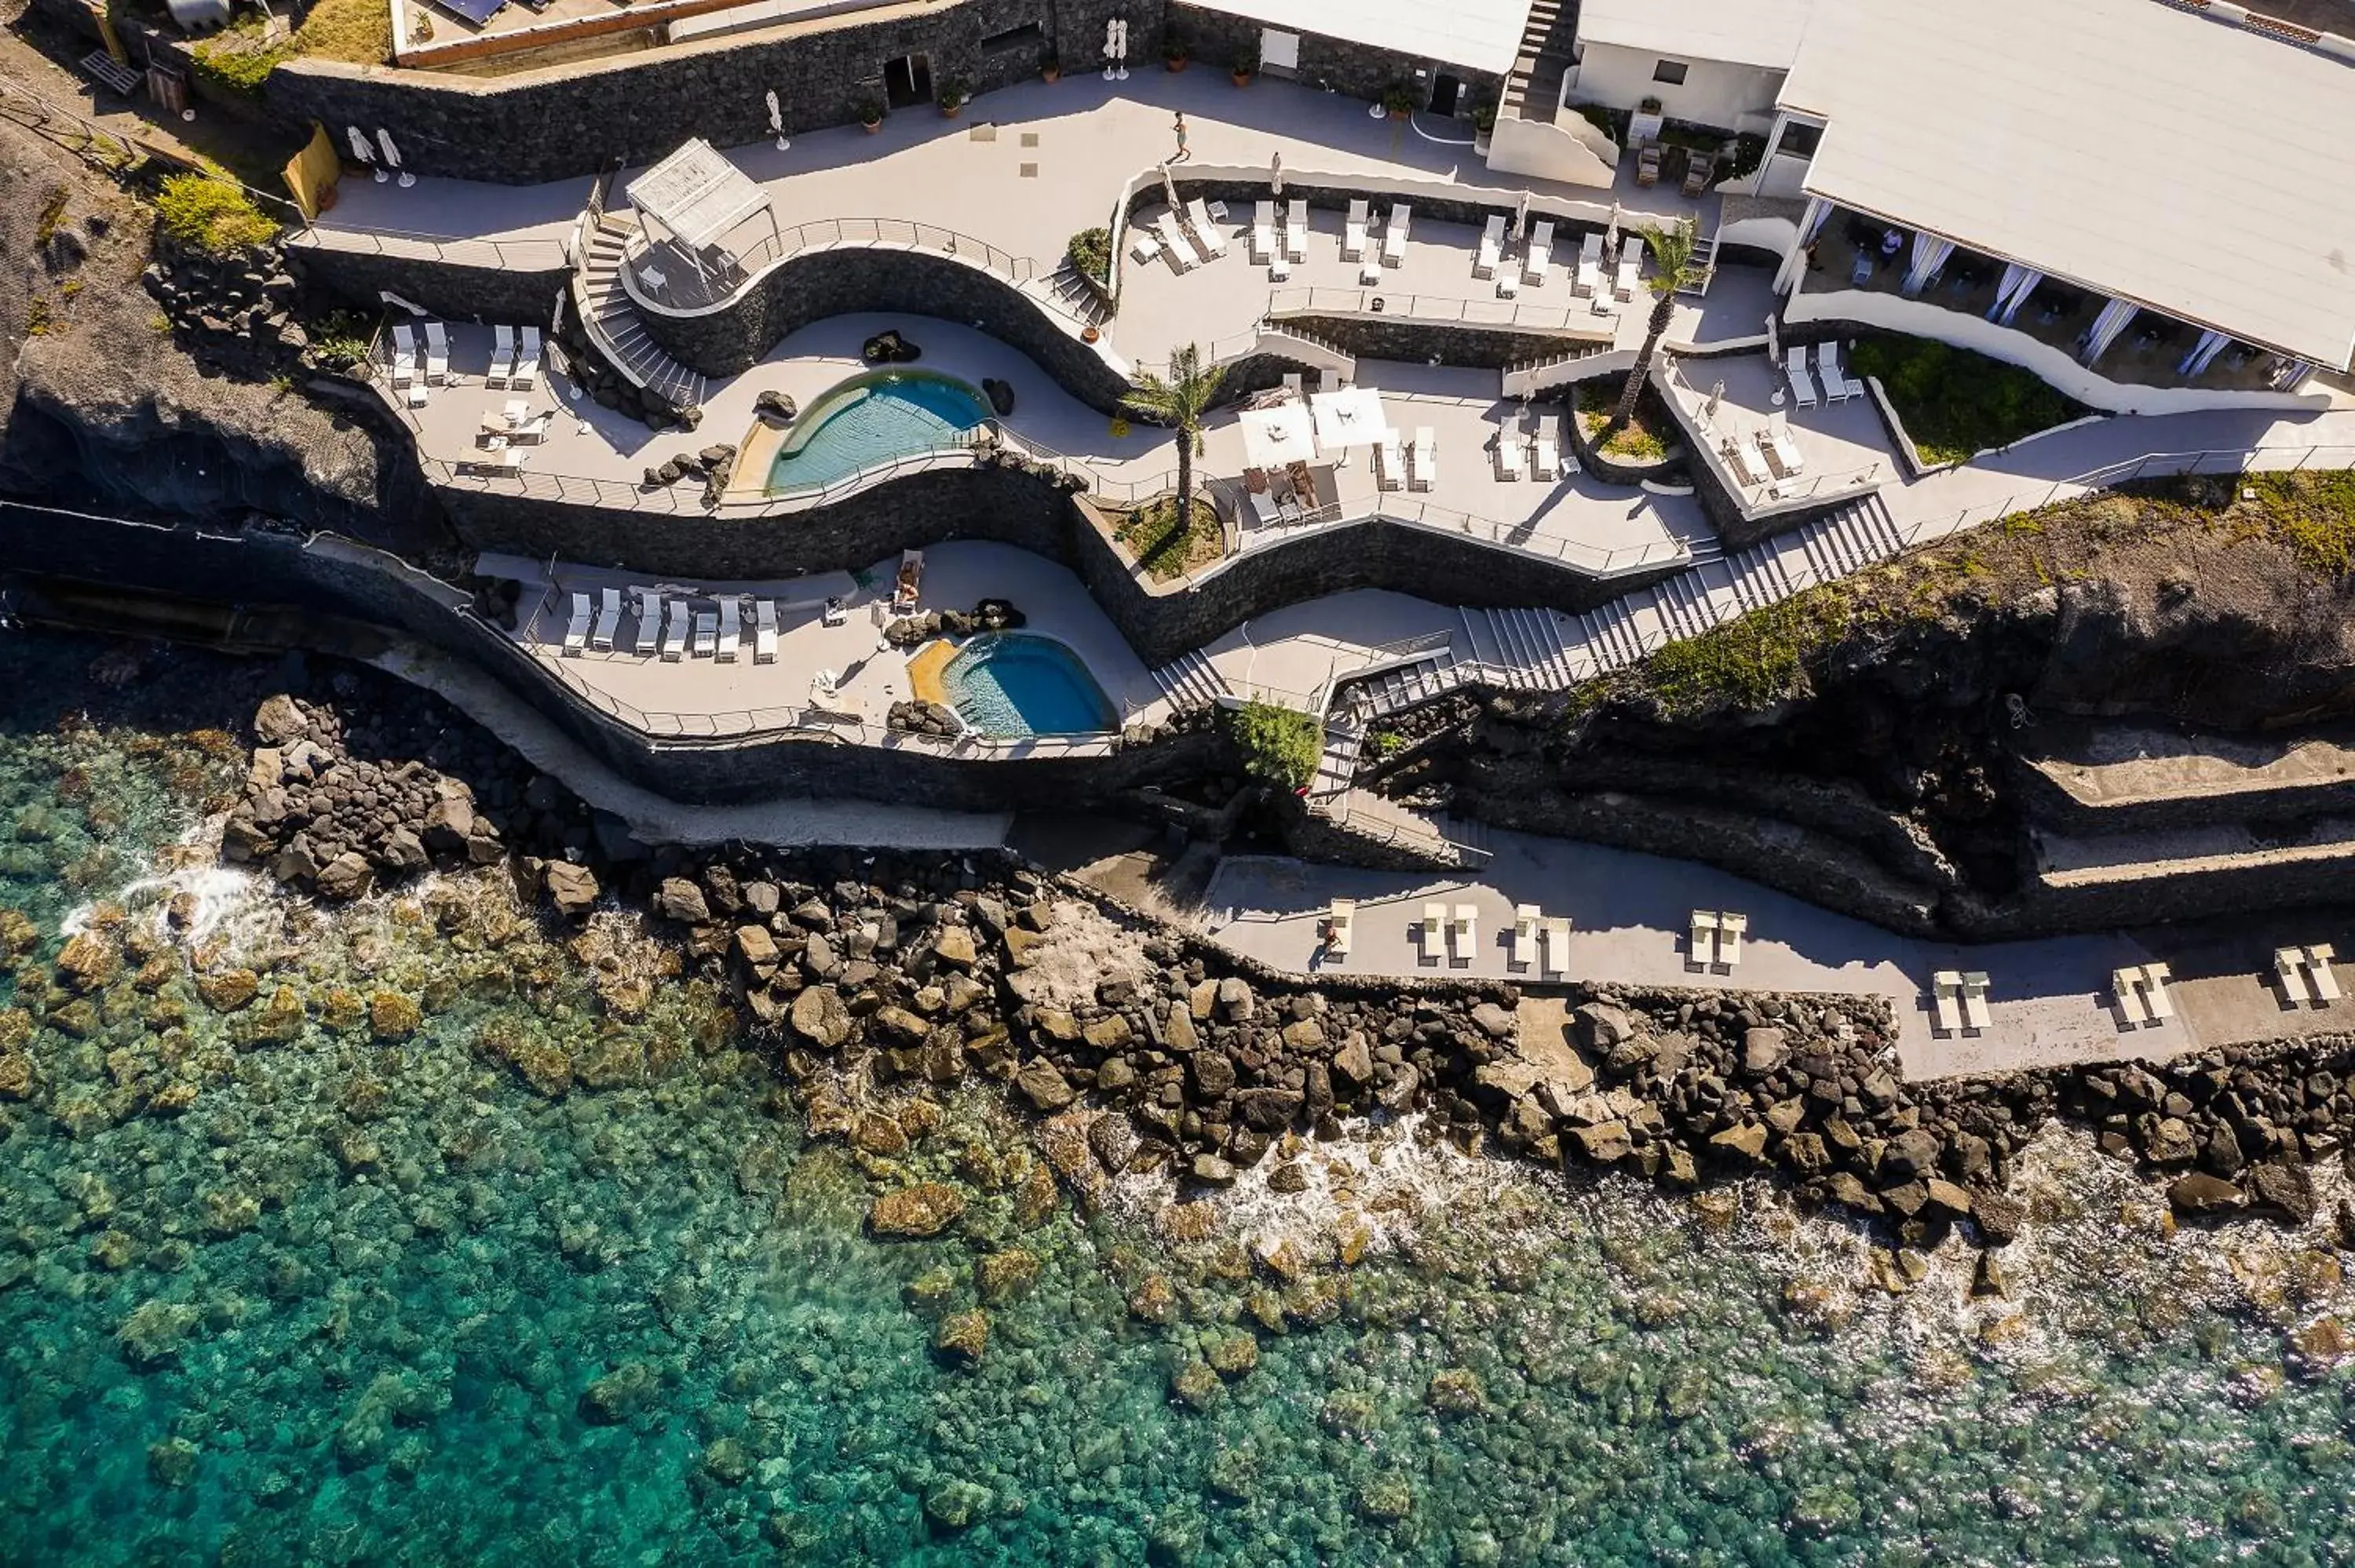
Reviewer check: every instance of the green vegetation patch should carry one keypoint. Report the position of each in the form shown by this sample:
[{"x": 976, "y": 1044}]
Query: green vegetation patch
[
  {"x": 240, "y": 59},
  {"x": 1278, "y": 745},
  {"x": 1639, "y": 440},
  {"x": 1953, "y": 402},
  {"x": 1757, "y": 660},
  {"x": 1154, "y": 537},
  {"x": 212, "y": 216},
  {"x": 2313, "y": 515},
  {"x": 359, "y": 31},
  {"x": 1090, "y": 252}
]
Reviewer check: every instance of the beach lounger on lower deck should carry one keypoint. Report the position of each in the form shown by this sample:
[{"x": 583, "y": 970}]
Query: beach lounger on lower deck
[
  {"x": 576, "y": 630},
  {"x": 1353, "y": 232},
  {"x": 1424, "y": 469},
  {"x": 1589, "y": 277},
  {"x": 674, "y": 643},
  {"x": 1537, "y": 263},
  {"x": 609, "y": 620},
  {"x": 1433, "y": 933},
  {"x": 2318, "y": 969},
  {"x": 648, "y": 606},
  {"x": 502, "y": 353},
  {"x": 1945, "y": 1001},
  {"x": 1173, "y": 242},
  {"x": 731, "y": 627},
  {"x": 1389, "y": 463},
  {"x": 1395, "y": 234},
  {"x": 2125, "y": 985},
  {"x": 1492, "y": 248},
  {"x": 1525, "y": 935},
  {"x": 1337, "y": 924},
  {"x": 1556, "y": 945},
  {"x": 764, "y": 632},
  {"x": 1212, "y": 243},
  {"x": 1295, "y": 230},
  {"x": 1700, "y": 943}
]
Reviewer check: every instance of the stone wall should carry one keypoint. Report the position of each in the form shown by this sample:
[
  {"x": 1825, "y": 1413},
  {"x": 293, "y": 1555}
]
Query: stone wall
[
  {"x": 1215, "y": 38},
  {"x": 452, "y": 291},
  {"x": 1414, "y": 342}
]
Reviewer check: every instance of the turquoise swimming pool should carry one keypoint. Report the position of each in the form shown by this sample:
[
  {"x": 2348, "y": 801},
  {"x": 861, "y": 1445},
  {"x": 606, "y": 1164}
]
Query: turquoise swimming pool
[
  {"x": 870, "y": 420},
  {"x": 1006, "y": 685}
]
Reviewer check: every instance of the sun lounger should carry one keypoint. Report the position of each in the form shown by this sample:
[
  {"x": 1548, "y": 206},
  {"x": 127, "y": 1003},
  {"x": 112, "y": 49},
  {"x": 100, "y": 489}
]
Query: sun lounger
[
  {"x": 1589, "y": 264},
  {"x": 1779, "y": 446},
  {"x": 2124, "y": 984},
  {"x": 1737, "y": 458},
  {"x": 1426, "y": 469},
  {"x": 1975, "y": 1001},
  {"x": 1731, "y": 928},
  {"x": 1395, "y": 234},
  {"x": 1434, "y": 932},
  {"x": 609, "y": 620},
  {"x": 576, "y": 630},
  {"x": 1389, "y": 463},
  {"x": 1838, "y": 387},
  {"x": 526, "y": 361},
  {"x": 706, "y": 633},
  {"x": 909, "y": 587},
  {"x": 1213, "y": 244},
  {"x": 674, "y": 643},
  {"x": 2154, "y": 985},
  {"x": 1525, "y": 935},
  {"x": 764, "y": 632},
  {"x": 1263, "y": 235},
  {"x": 2318, "y": 969},
  {"x": 404, "y": 354},
  {"x": 1537, "y": 263},
  {"x": 502, "y": 353},
  {"x": 1556, "y": 945},
  {"x": 437, "y": 354},
  {"x": 1174, "y": 242},
  {"x": 1509, "y": 456},
  {"x": 1295, "y": 229},
  {"x": 1353, "y": 232},
  {"x": 731, "y": 628},
  {"x": 1337, "y": 922},
  {"x": 1465, "y": 931},
  {"x": 1492, "y": 248},
  {"x": 1631, "y": 266},
  {"x": 1294, "y": 389},
  {"x": 1545, "y": 462},
  {"x": 1147, "y": 248},
  {"x": 1264, "y": 508},
  {"x": 1802, "y": 386},
  {"x": 648, "y": 605},
  {"x": 2289, "y": 967},
  {"x": 1946, "y": 997},
  {"x": 1701, "y": 945}
]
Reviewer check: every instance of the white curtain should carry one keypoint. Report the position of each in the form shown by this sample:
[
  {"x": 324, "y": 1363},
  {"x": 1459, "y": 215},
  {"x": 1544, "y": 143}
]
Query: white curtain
[
  {"x": 2019, "y": 282},
  {"x": 1819, "y": 211},
  {"x": 2106, "y": 327},
  {"x": 2291, "y": 374},
  {"x": 2210, "y": 342},
  {"x": 1929, "y": 253}
]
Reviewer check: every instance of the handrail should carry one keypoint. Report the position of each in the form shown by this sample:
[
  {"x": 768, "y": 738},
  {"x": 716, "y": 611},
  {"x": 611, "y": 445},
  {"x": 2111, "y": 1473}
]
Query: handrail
[
  {"x": 521, "y": 255},
  {"x": 1338, "y": 299},
  {"x": 779, "y": 244}
]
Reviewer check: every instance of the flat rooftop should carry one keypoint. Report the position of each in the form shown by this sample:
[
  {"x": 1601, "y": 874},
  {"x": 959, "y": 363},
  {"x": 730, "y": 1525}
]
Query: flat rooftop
[
  {"x": 1764, "y": 33},
  {"x": 2185, "y": 164},
  {"x": 1482, "y": 34}
]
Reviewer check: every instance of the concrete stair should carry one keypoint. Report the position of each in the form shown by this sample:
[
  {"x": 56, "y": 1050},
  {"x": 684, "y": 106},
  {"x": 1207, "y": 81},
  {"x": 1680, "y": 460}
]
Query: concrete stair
[
  {"x": 1069, "y": 292},
  {"x": 614, "y": 323},
  {"x": 1533, "y": 87},
  {"x": 1337, "y": 770},
  {"x": 1190, "y": 681},
  {"x": 1376, "y": 695}
]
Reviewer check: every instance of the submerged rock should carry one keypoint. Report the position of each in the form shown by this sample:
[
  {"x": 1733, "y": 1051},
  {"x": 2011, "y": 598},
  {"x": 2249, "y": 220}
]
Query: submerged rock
[{"x": 926, "y": 1209}]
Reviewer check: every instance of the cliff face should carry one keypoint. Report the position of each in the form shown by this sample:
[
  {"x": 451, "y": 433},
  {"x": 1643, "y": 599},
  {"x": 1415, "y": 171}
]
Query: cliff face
[{"x": 105, "y": 410}]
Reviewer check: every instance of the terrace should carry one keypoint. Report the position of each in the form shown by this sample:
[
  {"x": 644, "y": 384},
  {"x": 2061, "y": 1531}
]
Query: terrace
[{"x": 1772, "y": 451}]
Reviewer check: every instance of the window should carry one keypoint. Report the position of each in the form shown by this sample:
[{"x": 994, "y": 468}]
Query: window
[
  {"x": 1670, "y": 71},
  {"x": 1800, "y": 141}
]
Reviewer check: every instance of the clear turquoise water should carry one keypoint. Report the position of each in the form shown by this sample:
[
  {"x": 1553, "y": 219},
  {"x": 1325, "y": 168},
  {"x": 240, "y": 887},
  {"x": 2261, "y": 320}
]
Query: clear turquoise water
[
  {"x": 870, "y": 420},
  {"x": 1009, "y": 685},
  {"x": 368, "y": 1285}
]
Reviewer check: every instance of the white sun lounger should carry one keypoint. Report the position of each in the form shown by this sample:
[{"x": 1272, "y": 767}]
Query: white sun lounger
[
  {"x": 1545, "y": 460},
  {"x": 1509, "y": 455},
  {"x": 1395, "y": 234},
  {"x": 1426, "y": 469},
  {"x": 1776, "y": 437},
  {"x": 1802, "y": 386},
  {"x": 437, "y": 354},
  {"x": 1295, "y": 229},
  {"x": 731, "y": 627},
  {"x": 1525, "y": 935},
  {"x": 1433, "y": 933},
  {"x": 764, "y": 632},
  {"x": 1344, "y": 914},
  {"x": 1590, "y": 265},
  {"x": 576, "y": 630},
  {"x": 1945, "y": 993},
  {"x": 2154, "y": 985},
  {"x": 1556, "y": 945},
  {"x": 1174, "y": 242},
  {"x": 502, "y": 353},
  {"x": 1537, "y": 264},
  {"x": 1701, "y": 944},
  {"x": 1390, "y": 463},
  {"x": 2318, "y": 969},
  {"x": 2123, "y": 984},
  {"x": 609, "y": 620},
  {"x": 1492, "y": 248},
  {"x": 1353, "y": 232},
  {"x": 1838, "y": 387},
  {"x": 706, "y": 633},
  {"x": 1631, "y": 266},
  {"x": 1974, "y": 1002},
  {"x": 648, "y": 605},
  {"x": 2289, "y": 969},
  {"x": 1147, "y": 248},
  {"x": 1263, "y": 234},
  {"x": 674, "y": 643},
  {"x": 1465, "y": 929},
  {"x": 526, "y": 361},
  {"x": 404, "y": 354},
  {"x": 1206, "y": 233},
  {"x": 1731, "y": 928}
]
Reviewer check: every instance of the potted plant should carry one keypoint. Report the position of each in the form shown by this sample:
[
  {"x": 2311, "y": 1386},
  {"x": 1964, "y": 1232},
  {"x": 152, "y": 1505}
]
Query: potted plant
[
  {"x": 1246, "y": 62},
  {"x": 870, "y": 114},
  {"x": 1483, "y": 118},
  {"x": 1398, "y": 99},
  {"x": 1051, "y": 66},
  {"x": 1173, "y": 52},
  {"x": 951, "y": 98}
]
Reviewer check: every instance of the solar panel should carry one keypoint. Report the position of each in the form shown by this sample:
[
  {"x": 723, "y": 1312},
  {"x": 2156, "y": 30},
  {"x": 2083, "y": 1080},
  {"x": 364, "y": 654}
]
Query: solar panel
[{"x": 478, "y": 12}]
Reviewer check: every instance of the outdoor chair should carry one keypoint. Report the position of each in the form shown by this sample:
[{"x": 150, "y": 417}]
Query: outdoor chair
[
  {"x": 609, "y": 620},
  {"x": 1173, "y": 242},
  {"x": 764, "y": 632},
  {"x": 1492, "y": 248},
  {"x": 649, "y": 608},
  {"x": 1697, "y": 172},
  {"x": 1295, "y": 230},
  {"x": 1353, "y": 232},
  {"x": 1263, "y": 239},
  {"x": 1343, "y": 914},
  {"x": 1556, "y": 945},
  {"x": 2318, "y": 969},
  {"x": 1395, "y": 234},
  {"x": 1525, "y": 935},
  {"x": 1946, "y": 993},
  {"x": 1206, "y": 233},
  {"x": 576, "y": 630},
  {"x": 1701, "y": 945},
  {"x": 526, "y": 361},
  {"x": 1738, "y": 459},
  {"x": 1466, "y": 932},
  {"x": 1861, "y": 272},
  {"x": 1426, "y": 472},
  {"x": 1647, "y": 165},
  {"x": 1434, "y": 932},
  {"x": 2154, "y": 985},
  {"x": 1631, "y": 266},
  {"x": 502, "y": 353},
  {"x": 1537, "y": 263},
  {"x": 1546, "y": 460},
  {"x": 2289, "y": 967},
  {"x": 1782, "y": 451},
  {"x": 1265, "y": 508},
  {"x": 731, "y": 628},
  {"x": 1279, "y": 267},
  {"x": 1369, "y": 267},
  {"x": 437, "y": 354},
  {"x": 1729, "y": 930},
  {"x": 1589, "y": 264},
  {"x": 1509, "y": 456},
  {"x": 1802, "y": 386},
  {"x": 2123, "y": 984},
  {"x": 706, "y": 633},
  {"x": 404, "y": 354},
  {"x": 1974, "y": 1002},
  {"x": 1389, "y": 463},
  {"x": 674, "y": 643}
]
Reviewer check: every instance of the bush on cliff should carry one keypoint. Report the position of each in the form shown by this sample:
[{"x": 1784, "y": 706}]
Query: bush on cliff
[
  {"x": 211, "y": 216},
  {"x": 1278, "y": 745},
  {"x": 240, "y": 59},
  {"x": 1090, "y": 252}
]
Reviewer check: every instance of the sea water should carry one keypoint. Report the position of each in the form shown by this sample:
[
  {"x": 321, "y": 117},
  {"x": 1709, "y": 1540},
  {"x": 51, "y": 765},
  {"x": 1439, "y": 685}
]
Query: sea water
[{"x": 375, "y": 1297}]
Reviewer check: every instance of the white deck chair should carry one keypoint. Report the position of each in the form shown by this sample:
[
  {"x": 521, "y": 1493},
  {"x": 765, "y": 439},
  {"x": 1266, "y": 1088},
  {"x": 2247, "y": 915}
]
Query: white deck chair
[
  {"x": 1390, "y": 462},
  {"x": 1590, "y": 265},
  {"x": 1173, "y": 242},
  {"x": 526, "y": 361},
  {"x": 1624, "y": 282},
  {"x": 1492, "y": 248},
  {"x": 1525, "y": 935},
  {"x": 2154, "y": 985},
  {"x": 1701, "y": 945},
  {"x": 1426, "y": 469},
  {"x": 1777, "y": 439},
  {"x": 437, "y": 355},
  {"x": 1509, "y": 455},
  {"x": 764, "y": 632},
  {"x": 1263, "y": 234},
  {"x": 1827, "y": 371},
  {"x": 731, "y": 627},
  {"x": 1295, "y": 230},
  {"x": 2318, "y": 969},
  {"x": 1206, "y": 233},
  {"x": 1353, "y": 232},
  {"x": 706, "y": 634},
  {"x": 1545, "y": 459},
  {"x": 2289, "y": 967},
  {"x": 1395, "y": 234},
  {"x": 1433, "y": 933},
  {"x": 1465, "y": 929},
  {"x": 1974, "y": 1002},
  {"x": 1802, "y": 386},
  {"x": 2122, "y": 985},
  {"x": 1337, "y": 924},
  {"x": 404, "y": 354},
  {"x": 1729, "y": 930},
  {"x": 648, "y": 605},
  {"x": 1537, "y": 264},
  {"x": 674, "y": 643},
  {"x": 609, "y": 620},
  {"x": 503, "y": 347},
  {"x": 1556, "y": 945},
  {"x": 576, "y": 630},
  {"x": 1945, "y": 993}
]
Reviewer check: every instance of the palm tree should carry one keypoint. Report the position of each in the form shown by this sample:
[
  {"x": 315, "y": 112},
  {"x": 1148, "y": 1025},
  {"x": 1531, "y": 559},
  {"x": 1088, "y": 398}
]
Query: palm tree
[
  {"x": 1179, "y": 398},
  {"x": 1672, "y": 268}
]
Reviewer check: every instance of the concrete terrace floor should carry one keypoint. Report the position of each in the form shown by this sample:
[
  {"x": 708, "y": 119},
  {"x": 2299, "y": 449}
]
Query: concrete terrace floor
[
  {"x": 1630, "y": 915},
  {"x": 1839, "y": 442}
]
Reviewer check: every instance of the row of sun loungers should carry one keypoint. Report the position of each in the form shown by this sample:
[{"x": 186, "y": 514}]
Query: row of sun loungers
[
  {"x": 1959, "y": 1001},
  {"x": 1838, "y": 386},
  {"x": 1538, "y": 446},
  {"x": 515, "y": 361},
  {"x": 1293, "y": 246},
  {"x": 1536, "y": 263},
  {"x": 2305, "y": 976},
  {"x": 1715, "y": 940},
  {"x": 669, "y": 624},
  {"x": 1356, "y": 245}
]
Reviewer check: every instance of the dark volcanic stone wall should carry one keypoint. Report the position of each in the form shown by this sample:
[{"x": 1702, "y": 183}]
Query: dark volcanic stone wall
[{"x": 1215, "y": 38}]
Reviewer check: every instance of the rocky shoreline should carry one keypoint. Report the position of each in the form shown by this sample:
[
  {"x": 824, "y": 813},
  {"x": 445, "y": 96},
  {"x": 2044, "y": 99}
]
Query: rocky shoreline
[{"x": 880, "y": 971}]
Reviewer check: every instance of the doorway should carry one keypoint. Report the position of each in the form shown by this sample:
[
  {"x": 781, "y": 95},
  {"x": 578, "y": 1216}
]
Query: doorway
[
  {"x": 1446, "y": 93},
  {"x": 908, "y": 81}
]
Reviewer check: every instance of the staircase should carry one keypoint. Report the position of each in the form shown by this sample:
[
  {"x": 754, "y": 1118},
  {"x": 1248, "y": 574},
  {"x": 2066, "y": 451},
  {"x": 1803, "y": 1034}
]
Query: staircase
[
  {"x": 1190, "y": 681},
  {"x": 1288, "y": 342},
  {"x": 1337, "y": 770},
  {"x": 1545, "y": 372},
  {"x": 1533, "y": 90},
  {"x": 1704, "y": 264},
  {"x": 1070, "y": 290},
  {"x": 1367, "y": 696},
  {"x": 613, "y": 322}
]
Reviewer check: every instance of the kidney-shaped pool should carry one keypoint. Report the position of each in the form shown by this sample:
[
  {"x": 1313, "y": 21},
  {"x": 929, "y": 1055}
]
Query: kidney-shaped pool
[
  {"x": 1008, "y": 685},
  {"x": 870, "y": 420}
]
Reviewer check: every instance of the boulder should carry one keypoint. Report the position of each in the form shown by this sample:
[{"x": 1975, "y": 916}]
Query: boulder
[
  {"x": 1043, "y": 1084},
  {"x": 1998, "y": 1216},
  {"x": 2282, "y": 1190},
  {"x": 344, "y": 878},
  {"x": 681, "y": 900},
  {"x": 278, "y": 721},
  {"x": 1601, "y": 1025},
  {"x": 1494, "y": 1021},
  {"x": 1764, "y": 1050},
  {"x": 2201, "y": 1194},
  {"x": 1911, "y": 1153},
  {"x": 888, "y": 348},
  {"x": 924, "y": 1209},
  {"x": 1353, "y": 1063},
  {"x": 819, "y": 1017},
  {"x": 1605, "y": 1143},
  {"x": 572, "y": 889},
  {"x": 777, "y": 406},
  {"x": 1747, "y": 1141},
  {"x": 1211, "y": 1171}
]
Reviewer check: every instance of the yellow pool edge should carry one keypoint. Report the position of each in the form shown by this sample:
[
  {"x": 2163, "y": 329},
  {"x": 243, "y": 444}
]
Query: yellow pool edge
[{"x": 928, "y": 669}]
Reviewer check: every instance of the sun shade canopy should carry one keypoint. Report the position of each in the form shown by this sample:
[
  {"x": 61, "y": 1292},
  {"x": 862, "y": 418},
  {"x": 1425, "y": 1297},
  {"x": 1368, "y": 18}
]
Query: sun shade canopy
[{"x": 697, "y": 194}]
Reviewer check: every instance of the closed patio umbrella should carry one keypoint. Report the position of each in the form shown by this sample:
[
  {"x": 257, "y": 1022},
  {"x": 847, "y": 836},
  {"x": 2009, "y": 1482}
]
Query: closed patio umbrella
[
  {"x": 1275, "y": 174},
  {"x": 392, "y": 157}
]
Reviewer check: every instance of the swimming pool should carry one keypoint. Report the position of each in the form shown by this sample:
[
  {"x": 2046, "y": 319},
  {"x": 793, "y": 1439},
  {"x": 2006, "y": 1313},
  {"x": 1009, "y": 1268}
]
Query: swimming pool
[
  {"x": 1006, "y": 685},
  {"x": 870, "y": 420}
]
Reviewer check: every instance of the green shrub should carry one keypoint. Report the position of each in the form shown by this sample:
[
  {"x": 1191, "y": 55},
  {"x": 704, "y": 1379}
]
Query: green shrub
[
  {"x": 1090, "y": 252},
  {"x": 238, "y": 60},
  {"x": 1953, "y": 402},
  {"x": 211, "y": 216},
  {"x": 1278, "y": 745},
  {"x": 1760, "y": 659}
]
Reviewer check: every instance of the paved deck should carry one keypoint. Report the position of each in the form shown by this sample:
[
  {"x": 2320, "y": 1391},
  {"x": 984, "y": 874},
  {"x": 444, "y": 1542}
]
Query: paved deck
[{"x": 2050, "y": 998}]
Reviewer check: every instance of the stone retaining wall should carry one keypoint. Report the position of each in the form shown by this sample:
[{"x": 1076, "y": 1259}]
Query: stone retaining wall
[
  {"x": 1216, "y": 38},
  {"x": 452, "y": 290}
]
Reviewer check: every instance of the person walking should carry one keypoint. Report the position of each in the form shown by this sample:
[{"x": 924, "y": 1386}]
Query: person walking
[{"x": 1179, "y": 157}]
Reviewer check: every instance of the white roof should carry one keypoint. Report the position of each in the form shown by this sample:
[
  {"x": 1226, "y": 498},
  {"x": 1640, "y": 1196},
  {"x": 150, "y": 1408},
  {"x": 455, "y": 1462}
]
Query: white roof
[
  {"x": 696, "y": 194},
  {"x": 2185, "y": 164},
  {"x": 1746, "y": 32},
  {"x": 1484, "y": 35}
]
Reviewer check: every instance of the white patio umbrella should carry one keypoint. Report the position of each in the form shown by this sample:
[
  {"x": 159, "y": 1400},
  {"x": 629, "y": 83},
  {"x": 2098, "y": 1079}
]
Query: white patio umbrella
[
  {"x": 1277, "y": 438},
  {"x": 1353, "y": 417},
  {"x": 1169, "y": 187},
  {"x": 1611, "y": 235},
  {"x": 362, "y": 148},
  {"x": 1275, "y": 174},
  {"x": 392, "y": 157},
  {"x": 777, "y": 121}
]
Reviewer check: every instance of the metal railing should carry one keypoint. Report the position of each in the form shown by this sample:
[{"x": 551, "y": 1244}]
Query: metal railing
[
  {"x": 685, "y": 292},
  {"x": 1408, "y": 511},
  {"x": 516, "y": 255},
  {"x": 1330, "y": 299},
  {"x": 1755, "y": 497}
]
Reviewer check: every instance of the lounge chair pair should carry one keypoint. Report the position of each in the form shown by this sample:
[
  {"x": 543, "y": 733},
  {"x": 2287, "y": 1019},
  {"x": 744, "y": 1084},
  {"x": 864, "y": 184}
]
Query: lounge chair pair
[
  {"x": 2141, "y": 992},
  {"x": 515, "y": 361},
  {"x": 1528, "y": 928},
  {"x": 1715, "y": 941},
  {"x": 1958, "y": 1001},
  {"x": 2306, "y": 975},
  {"x": 1444, "y": 933}
]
